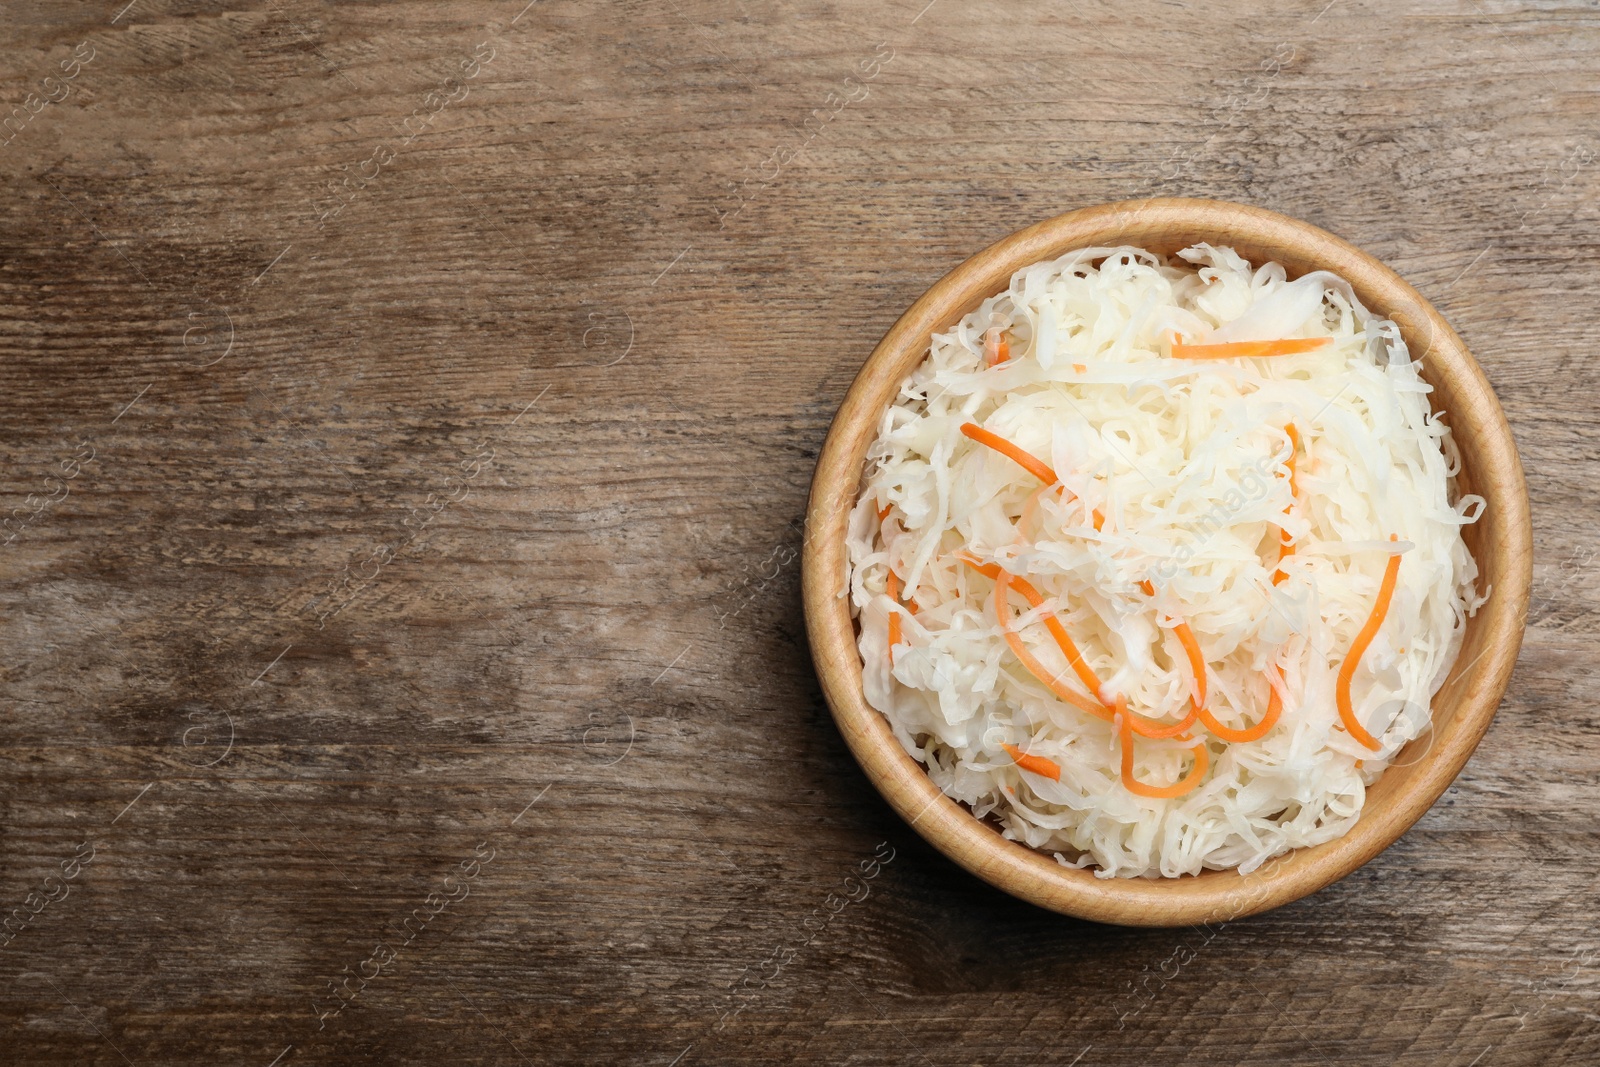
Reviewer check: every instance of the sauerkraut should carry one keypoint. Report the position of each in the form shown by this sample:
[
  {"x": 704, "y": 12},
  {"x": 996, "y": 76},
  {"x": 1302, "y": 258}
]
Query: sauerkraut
[{"x": 1180, "y": 482}]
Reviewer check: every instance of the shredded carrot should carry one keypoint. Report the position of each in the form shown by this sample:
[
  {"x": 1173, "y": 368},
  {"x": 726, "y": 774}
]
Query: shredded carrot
[
  {"x": 1183, "y": 786},
  {"x": 883, "y": 512},
  {"x": 1197, "y": 663},
  {"x": 1291, "y": 347},
  {"x": 1027, "y": 460},
  {"x": 1145, "y": 728},
  {"x": 1285, "y": 542},
  {"x": 1084, "y": 672},
  {"x": 995, "y": 348},
  {"x": 1002, "y": 613},
  {"x": 990, "y": 571},
  {"x": 892, "y": 587},
  {"x": 1253, "y": 733},
  {"x": 1080, "y": 368},
  {"x": 1341, "y": 689},
  {"x": 1004, "y": 580},
  {"x": 1037, "y": 764}
]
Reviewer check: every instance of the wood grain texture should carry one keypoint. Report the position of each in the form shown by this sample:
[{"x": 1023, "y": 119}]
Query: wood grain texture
[{"x": 277, "y": 395}]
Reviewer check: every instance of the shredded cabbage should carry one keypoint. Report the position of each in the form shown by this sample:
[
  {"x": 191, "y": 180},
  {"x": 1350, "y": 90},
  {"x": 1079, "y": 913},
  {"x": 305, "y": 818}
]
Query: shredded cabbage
[{"x": 1187, "y": 460}]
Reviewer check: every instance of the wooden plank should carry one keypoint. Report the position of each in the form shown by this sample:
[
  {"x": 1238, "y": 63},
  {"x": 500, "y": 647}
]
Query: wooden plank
[{"x": 606, "y": 617}]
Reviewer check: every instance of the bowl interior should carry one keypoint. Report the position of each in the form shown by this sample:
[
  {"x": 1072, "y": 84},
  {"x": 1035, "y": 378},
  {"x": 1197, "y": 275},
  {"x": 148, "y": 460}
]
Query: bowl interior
[{"x": 1500, "y": 541}]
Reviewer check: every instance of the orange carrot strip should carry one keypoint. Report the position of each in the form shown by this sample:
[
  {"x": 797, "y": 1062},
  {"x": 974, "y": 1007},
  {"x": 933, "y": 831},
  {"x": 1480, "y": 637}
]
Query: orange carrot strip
[
  {"x": 892, "y": 587},
  {"x": 1197, "y": 662},
  {"x": 1037, "y": 764},
  {"x": 1003, "y": 581},
  {"x": 1183, "y": 786},
  {"x": 1064, "y": 641},
  {"x": 1291, "y": 347},
  {"x": 1002, "y": 612},
  {"x": 990, "y": 571},
  {"x": 1253, "y": 733},
  {"x": 1341, "y": 689},
  {"x": 1144, "y": 727},
  {"x": 995, "y": 348},
  {"x": 883, "y": 512},
  {"x": 1027, "y": 460},
  {"x": 1285, "y": 542},
  {"x": 1080, "y": 368}
]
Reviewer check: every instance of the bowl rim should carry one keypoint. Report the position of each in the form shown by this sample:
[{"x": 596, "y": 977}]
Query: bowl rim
[{"x": 1490, "y": 468}]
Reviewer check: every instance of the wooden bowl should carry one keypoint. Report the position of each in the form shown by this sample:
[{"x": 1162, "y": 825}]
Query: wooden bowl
[{"x": 1501, "y": 541}]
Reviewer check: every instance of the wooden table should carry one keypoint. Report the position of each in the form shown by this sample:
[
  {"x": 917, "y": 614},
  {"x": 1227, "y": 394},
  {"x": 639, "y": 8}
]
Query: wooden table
[{"x": 408, "y": 412}]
